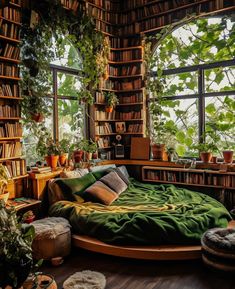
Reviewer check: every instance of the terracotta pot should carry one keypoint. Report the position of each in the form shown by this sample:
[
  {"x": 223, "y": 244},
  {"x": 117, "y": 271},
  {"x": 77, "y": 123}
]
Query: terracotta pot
[
  {"x": 109, "y": 109},
  {"x": 52, "y": 161},
  {"x": 78, "y": 155},
  {"x": 63, "y": 158},
  {"x": 228, "y": 156},
  {"x": 95, "y": 156},
  {"x": 205, "y": 157},
  {"x": 37, "y": 117},
  {"x": 214, "y": 160},
  {"x": 158, "y": 151}
]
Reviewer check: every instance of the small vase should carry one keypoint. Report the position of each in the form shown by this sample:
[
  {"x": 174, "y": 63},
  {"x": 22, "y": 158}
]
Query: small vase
[
  {"x": 228, "y": 156},
  {"x": 109, "y": 109},
  {"x": 88, "y": 156},
  {"x": 214, "y": 160},
  {"x": 205, "y": 157}
]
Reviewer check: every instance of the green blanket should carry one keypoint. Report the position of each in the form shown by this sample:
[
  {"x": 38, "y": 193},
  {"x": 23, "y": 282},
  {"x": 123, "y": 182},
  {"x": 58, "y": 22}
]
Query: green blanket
[{"x": 146, "y": 214}]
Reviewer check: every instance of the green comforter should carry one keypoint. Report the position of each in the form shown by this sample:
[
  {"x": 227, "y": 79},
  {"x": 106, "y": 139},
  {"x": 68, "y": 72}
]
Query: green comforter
[{"x": 146, "y": 214}]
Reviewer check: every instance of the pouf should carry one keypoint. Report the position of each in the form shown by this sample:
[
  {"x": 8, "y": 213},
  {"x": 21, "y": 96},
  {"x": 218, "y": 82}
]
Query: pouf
[
  {"x": 218, "y": 249},
  {"x": 85, "y": 280},
  {"x": 53, "y": 238}
]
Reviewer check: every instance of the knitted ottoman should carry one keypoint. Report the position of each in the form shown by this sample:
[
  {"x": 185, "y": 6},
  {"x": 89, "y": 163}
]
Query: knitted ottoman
[
  {"x": 53, "y": 238},
  {"x": 218, "y": 249}
]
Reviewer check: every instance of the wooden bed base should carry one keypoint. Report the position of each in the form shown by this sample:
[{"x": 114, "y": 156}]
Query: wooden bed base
[{"x": 167, "y": 252}]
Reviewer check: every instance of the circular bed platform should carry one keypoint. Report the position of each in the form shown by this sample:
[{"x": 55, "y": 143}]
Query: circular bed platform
[{"x": 167, "y": 252}]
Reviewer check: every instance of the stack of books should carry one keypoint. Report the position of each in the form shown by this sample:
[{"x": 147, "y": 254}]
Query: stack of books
[{"x": 40, "y": 170}]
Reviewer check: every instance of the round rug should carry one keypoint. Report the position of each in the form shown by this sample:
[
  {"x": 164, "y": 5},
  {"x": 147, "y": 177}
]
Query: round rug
[{"x": 85, "y": 280}]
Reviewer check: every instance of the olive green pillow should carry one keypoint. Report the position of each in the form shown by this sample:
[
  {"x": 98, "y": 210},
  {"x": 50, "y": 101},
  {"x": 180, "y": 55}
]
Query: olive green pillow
[{"x": 76, "y": 186}]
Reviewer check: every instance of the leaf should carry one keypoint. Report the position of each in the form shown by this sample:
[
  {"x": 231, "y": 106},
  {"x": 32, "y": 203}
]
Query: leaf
[
  {"x": 180, "y": 136},
  {"x": 210, "y": 108}
]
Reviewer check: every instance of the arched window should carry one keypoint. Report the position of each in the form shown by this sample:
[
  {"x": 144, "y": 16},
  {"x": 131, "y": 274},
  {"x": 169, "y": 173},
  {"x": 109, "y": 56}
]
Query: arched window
[{"x": 196, "y": 65}]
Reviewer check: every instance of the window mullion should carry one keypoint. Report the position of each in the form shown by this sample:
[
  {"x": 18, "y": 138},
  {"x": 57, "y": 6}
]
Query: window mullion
[
  {"x": 201, "y": 105},
  {"x": 55, "y": 106}
]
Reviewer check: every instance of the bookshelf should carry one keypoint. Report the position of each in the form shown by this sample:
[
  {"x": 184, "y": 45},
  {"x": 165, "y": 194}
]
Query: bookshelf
[{"x": 10, "y": 97}]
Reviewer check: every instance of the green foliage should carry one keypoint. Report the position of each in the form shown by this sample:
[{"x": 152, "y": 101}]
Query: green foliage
[
  {"x": 110, "y": 98},
  {"x": 64, "y": 146},
  {"x": 198, "y": 41},
  {"x": 15, "y": 247},
  {"x": 88, "y": 146}
]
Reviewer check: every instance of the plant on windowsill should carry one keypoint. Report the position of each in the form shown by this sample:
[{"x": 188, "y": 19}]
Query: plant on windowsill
[
  {"x": 64, "y": 149},
  {"x": 111, "y": 99},
  {"x": 16, "y": 261},
  {"x": 206, "y": 150},
  {"x": 89, "y": 147}
]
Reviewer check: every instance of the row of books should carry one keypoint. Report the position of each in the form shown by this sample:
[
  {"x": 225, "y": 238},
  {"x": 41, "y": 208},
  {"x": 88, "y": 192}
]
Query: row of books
[
  {"x": 11, "y": 130},
  {"x": 138, "y": 97},
  {"x": 124, "y": 42},
  {"x": 9, "y": 90},
  {"x": 138, "y": 127},
  {"x": 10, "y": 14},
  {"x": 15, "y": 168},
  {"x": 102, "y": 115},
  {"x": 9, "y": 30},
  {"x": 125, "y": 55},
  {"x": 128, "y": 85},
  {"x": 70, "y": 4},
  {"x": 10, "y": 51},
  {"x": 106, "y": 4},
  {"x": 103, "y": 142},
  {"x": 224, "y": 181},
  {"x": 105, "y": 128},
  {"x": 179, "y": 177},
  {"x": 10, "y": 110},
  {"x": 124, "y": 70},
  {"x": 9, "y": 70},
  {"x": 100, "y": 25},
  {"x": 129, "y": 115},
  {"x": 9, "y": 150}
]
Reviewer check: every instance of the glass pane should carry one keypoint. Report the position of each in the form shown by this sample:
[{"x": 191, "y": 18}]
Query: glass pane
[
  {"x": 220, "y": 79},
  {"x": 220, "y": 121},
  {"x": 180, "y": 119},
  {"x": 71, "y": 119},
  {"x": 68, "y": 84},
  {"x": 30, "y": 139},
  {"x": 181, "y": 84}
]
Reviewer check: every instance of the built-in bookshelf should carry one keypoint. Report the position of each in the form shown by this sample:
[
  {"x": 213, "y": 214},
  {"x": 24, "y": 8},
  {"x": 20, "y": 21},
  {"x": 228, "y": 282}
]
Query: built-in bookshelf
[{"x": 10, "y": 96}]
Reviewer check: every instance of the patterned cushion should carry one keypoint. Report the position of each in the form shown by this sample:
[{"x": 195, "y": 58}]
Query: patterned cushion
[
  {"x": 114, "y": 181},
  {"x": 99, "y": 192},
  {"x": 78, "y": 173}
]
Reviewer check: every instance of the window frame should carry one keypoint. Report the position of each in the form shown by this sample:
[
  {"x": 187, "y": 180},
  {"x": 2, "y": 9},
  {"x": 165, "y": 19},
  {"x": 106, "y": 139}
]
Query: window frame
[
  {"x": 202, "y": 94},
  {"x": 55, "y": 69}
]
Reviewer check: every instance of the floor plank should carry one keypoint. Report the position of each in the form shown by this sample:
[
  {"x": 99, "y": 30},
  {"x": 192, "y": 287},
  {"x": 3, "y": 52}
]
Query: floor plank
[{"x": 124, "y": 273}]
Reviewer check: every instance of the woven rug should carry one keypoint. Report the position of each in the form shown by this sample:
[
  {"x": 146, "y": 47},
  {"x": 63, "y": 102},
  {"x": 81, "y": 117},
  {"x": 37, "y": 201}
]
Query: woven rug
[{"x": 85, "y": 280}]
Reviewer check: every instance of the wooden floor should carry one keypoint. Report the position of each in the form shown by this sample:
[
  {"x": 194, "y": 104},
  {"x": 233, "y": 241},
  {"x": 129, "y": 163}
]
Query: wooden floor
[{"x": 122, "y": 273}]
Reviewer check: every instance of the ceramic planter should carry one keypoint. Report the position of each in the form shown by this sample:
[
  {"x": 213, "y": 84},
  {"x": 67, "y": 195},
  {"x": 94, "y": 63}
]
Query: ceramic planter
[
  {"x": 78, "y": 156},
  {"x": 158, "y": 151},
  {"x": 109, "y": 109},
  {"x": 228, "y": 156},
  {"x": 52, "y": 161},
  {"x": 205, "y": 157},
  {"x": 88, "y": 156}
]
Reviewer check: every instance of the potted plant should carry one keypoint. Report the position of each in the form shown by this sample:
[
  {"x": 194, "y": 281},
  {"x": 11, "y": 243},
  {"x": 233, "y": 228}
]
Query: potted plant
[
  {"x": 206, "y": 150},
  {"x": 47, "y": 148},
  {"x": 228, "y": 153},
  {"x": 90, "y": 147},
  {"x": 3, "y": 184},
  {"x": 16, "y": 259},
  {"x": 63, "y": 147},
  {"x": 111, "y": 99}
]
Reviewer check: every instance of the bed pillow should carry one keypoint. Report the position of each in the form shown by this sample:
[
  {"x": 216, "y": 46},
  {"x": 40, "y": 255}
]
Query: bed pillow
[
  {"x": 113, "y": 181},
  {"x": 122, "y": 174},
  {"x": 102, "y": 168},
  {"x": 76, "y": 186},
  {"x": 100, "y": 193},
  {"x": 78, "y": 173},
  {"x": 124, "y": 171}
]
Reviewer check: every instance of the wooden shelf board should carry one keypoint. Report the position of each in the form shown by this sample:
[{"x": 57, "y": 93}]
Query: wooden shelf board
[
  {"x": 122, "y": 91},
  {"x": 11, "y": 158},
  {"x": 186, "y": 170},
  {"x": 14, "y": 4},
  {"x": 118, "y": 120},
  {"x": 120, "y": 104},
  {"x": 125, "y": 133},
  {"x": 11, "y": 21},
  {"x": 125, "y": 62},
  {"x": 9, "y": 59},
  {"x": 10, "y": 118},
  {"x": 11, "y": 97},
  {"x": 105, "y": 148},
  {"x": 10, "y": 138},
  {"x": 126, "y": 76},
  {"x": 10, "y": 78},
  {"x": 126, "y": 48},
  {"x": 9, "y": 39}
]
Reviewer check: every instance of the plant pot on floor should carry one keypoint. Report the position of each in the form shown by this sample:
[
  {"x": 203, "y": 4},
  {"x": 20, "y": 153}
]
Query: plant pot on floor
[
  {"x": 228, "y": 156},
  {"x": 63, "y": 158},
  {"x": 205, "y": 157},
  {"x": 52, "y": 161},
  {"x": 158, "y": 151}
]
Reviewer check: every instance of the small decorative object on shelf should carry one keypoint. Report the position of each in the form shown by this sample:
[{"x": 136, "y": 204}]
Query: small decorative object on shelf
[{"x": 228, "y": 156}]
